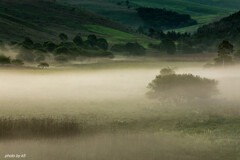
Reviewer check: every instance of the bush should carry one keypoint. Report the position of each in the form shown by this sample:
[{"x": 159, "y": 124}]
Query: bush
[
  {"x": 50, "y": 46},
  {"x": 5, "y": 60},
  {"x": 17, "y": 62},
  {"x": 43, "y": 65},
  {"x": 102, "y": 44},
  {"x": 118, "y": 48},
  {"x": 131, "y": 48},
  {"x": 78, "y": 40},
  {"x": 181, "y": 86},
  {"x": 135, "y": 49},
  {"x": 168, "y": 46}
]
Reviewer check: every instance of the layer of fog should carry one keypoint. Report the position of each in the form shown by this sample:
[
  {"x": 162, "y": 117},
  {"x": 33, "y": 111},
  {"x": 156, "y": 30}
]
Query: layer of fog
[{"x": 116, "y": 84}]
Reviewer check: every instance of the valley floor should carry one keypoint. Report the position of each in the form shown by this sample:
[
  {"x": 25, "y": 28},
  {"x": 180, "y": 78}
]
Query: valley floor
[{"x": 99, "y": 111}]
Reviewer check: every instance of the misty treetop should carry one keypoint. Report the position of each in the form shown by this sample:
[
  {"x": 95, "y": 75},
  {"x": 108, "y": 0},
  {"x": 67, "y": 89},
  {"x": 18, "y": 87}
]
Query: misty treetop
[{"x": 169, "y": 85}]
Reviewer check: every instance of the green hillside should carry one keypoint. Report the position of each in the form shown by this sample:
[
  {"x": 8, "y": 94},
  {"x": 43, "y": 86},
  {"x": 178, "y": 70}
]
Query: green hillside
[
  {"x": 44, "y": 19},
  {"x": 201, "y": 10}
]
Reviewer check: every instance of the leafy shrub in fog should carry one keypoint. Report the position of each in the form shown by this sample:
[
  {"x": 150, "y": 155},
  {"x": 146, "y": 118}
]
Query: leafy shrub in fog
[
  {"x": 181, "y": 86},
  {"x": 4, "y": 59}
]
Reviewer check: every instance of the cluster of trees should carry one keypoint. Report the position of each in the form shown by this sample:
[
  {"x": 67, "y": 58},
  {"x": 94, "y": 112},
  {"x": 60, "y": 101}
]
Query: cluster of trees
[
  {"x": 163, "y": 19},
  {"x": 4, "y": 60},
  {"x": 159, "y": 34},
  {"x": 171, "y": 86},
  {"x": 212, "y": 34},
  {"x": 125, "y": 3},
  {"x": 31, "y": 51},
  {"x": 226, "y": 54},
  {"x": 171, "y": 47},
  {"x": 130, "y": 48}
]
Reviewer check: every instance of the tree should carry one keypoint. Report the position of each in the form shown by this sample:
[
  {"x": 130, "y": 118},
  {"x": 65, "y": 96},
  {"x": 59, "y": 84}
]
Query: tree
[
  {"x": 28, "y": 43},
  {"x": 63, "y": 37},
  {"x": 181, "y": 87},
  {"x": 5, "y": 60},
  {"x": 78, "y": 40},
  {"x": 50, "y": 46},
  {"x": 102, "y": 43},
  {"x": 168, "y": 46},
  {"x": 225, "y": 49},
  {"x": 61, "y": 50},
  {"x": 43, "y": 65},
  {"x": 92, "y": 39}
]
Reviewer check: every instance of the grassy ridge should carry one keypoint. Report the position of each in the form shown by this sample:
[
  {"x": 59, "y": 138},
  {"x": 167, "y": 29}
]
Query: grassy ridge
[
  {"x": 39, "y": 20},
  {"x": 203, "y": 12}
]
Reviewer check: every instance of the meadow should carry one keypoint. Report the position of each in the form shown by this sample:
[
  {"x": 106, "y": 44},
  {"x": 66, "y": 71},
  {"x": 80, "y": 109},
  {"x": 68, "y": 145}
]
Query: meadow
[{"x": 99, "y": 110}]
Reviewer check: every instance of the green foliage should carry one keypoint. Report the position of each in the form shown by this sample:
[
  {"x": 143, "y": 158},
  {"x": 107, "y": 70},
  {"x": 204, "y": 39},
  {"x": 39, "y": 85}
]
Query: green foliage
[
  {"x": 168, "y": 46},
  {"x": 163, "y": 19},
  {"x": 213, "y": 33},
  {"x": 43, "y": 65},
  {"x": 78, "y": 40},
  {"x": 5, "y": 60},
  {"x": 63, "y": 37},
  {"x": 225, "y": 49},
  {"x": 131, "y": 48},
  {"x": 28, "y": 43},
  {"x": 61, "y": 50},
  {"x": 181, "y": 86},
  {"x": 50, "y": 46},
  {"x": 102, "y": 44}
]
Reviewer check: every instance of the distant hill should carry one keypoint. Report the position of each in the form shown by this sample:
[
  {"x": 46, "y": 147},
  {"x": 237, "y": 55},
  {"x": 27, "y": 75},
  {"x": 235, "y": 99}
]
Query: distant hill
[
  {"x": 204, "y": 11},
  {"x": 227, "y": 28},
  {"x": 45, "y": 19}
]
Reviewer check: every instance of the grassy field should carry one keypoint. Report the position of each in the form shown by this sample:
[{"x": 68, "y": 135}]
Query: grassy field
[{"x": 100, "y": 111}]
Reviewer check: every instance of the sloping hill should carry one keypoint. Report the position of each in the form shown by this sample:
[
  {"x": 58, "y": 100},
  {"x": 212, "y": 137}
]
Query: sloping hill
[
  {"x": 44, "y": 19},
  {"x": 204, "y": 11},
  {"x": 227, "y": 28}
]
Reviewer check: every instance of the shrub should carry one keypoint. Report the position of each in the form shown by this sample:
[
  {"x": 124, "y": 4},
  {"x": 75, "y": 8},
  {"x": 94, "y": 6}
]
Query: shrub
[
  {"x": 102, "y": 44},
  {"x": 131, "y": 48},
  {"x": 63, "y": 37},
  {"x": 118, "y": 48},
  {"x": 168, "y": 46},
  {"x": 17, "y": 62},
  {"x": 78, "y": 40},
  {"x": 5, "y": 60},
  {"x": 43, "y": 65},
  {"x": 50, "y": 46},
  {"x": 181, "y": 86},
  {"x": 135, "y": 49},
  {"x": 28, "y": 43}
]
